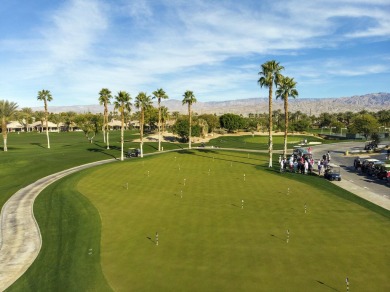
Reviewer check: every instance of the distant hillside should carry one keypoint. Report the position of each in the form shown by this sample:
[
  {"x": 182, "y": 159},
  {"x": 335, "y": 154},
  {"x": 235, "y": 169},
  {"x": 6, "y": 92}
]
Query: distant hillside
[{"x": 315, "y": 106}]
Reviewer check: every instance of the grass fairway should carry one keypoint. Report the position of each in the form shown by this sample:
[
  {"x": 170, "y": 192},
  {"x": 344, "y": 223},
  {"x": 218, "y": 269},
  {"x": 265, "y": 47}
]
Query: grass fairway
[
  {"x": 208, "y": 242},
  {"x": 260, "y": 142}
]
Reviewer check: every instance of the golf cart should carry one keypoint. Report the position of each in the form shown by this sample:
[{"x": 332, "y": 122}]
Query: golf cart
[
  {"x": 332, "y": 172},
  {"x": 384, "y": 171},
  {"x": 133, "y": 152}
]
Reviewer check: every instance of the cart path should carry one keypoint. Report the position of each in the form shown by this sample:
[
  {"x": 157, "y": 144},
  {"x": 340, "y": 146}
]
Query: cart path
[{"x": 20, "y": 237}]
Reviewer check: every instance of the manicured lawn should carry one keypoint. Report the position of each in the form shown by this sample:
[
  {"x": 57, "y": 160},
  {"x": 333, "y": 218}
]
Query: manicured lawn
[
  {"x": 260, "y": 142},
  {"x": 98, "y": 226},
  {"x": 207, "y": 242},
  {"x": 28, "y": 159}
]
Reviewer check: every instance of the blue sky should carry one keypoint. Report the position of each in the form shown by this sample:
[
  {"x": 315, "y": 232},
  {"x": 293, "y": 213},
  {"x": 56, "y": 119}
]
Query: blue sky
[{"x": 73, "y": 48}]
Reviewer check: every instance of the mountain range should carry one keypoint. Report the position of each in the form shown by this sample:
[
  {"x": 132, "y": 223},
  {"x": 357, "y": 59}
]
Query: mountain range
[{"x": 313, "y": 106}]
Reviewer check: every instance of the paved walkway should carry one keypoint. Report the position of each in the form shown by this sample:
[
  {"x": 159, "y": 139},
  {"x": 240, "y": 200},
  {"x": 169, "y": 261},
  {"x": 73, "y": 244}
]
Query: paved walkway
[{"x": 20, "y": 238}]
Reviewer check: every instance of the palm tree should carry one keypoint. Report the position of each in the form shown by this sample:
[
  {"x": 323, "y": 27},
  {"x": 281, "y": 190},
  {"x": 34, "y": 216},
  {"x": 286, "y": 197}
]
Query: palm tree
[
  {"x": 104, "y": 99},
  {"x": 46, "y": 96},
  {"x": 122, "y": 103},
  {"x": 159, "y": 94},
  {"x": 189, "y": 99},
  {"x": 142, "y": 102},
  {"x": 270, "y": 74},
  {"x": 286, "y": 89},
  {"x": 164, "y": 117},
  {"x": 7, "y": 110}
]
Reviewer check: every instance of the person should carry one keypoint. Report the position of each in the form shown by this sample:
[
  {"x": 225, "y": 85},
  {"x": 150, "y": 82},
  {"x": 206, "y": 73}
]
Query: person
[
  {"x": 319, "y": 165},
  {"x": 306, "y": 166},
  {"x": 328, "y": 157},
  {"x": 156, "y": 238},
  {"x": 281, "y": 162},
  {"x": 280, "y": 158}
]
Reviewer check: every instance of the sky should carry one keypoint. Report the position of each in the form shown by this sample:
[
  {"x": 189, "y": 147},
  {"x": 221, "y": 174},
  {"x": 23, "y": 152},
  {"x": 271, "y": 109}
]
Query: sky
[{"x": 215, "y": 48}]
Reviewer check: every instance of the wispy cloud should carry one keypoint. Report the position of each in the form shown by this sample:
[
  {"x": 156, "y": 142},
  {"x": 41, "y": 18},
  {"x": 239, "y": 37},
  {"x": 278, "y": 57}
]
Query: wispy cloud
[{"x": 213, "y": 47}]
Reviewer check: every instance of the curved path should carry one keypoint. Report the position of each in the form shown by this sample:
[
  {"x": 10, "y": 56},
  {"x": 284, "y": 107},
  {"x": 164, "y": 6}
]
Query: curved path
[{"x": 20, "y": 238}]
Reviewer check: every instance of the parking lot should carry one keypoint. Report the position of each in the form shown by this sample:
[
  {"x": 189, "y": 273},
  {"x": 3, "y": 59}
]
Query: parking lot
[{"x": 370, "y": 188}]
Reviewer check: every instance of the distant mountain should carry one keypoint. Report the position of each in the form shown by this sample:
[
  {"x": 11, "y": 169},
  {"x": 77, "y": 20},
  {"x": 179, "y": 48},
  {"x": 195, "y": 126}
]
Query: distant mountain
[{"x": 371, "y": 102}]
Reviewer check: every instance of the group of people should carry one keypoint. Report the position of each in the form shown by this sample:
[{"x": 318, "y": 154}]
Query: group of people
[{"x": 304, "y": 164}]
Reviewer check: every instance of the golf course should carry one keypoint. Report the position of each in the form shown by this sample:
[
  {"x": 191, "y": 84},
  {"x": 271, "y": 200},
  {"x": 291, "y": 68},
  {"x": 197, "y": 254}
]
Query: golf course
[{"x": 193, "y": 220}]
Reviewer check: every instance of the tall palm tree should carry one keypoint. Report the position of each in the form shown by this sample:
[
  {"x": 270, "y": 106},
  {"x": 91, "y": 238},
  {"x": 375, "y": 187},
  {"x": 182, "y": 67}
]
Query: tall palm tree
[
  {"x": 142, "y": 102},
  {"x": 122, "y": 103},
  {"x": 46, "y": 96},
  {"x": 7, "y": 110},
  {"x": 159, "y": 94},
  {"x": 286, "y": 89},
  {"x": 189, "y": 99},
  {"x": 270, "y": 74},
  {"x": 104, "y": 99},
  {"x": 164, "y": 117}
]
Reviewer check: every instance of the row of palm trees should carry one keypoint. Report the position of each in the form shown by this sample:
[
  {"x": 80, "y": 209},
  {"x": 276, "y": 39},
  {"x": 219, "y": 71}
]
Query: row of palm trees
[
  {"x": 270, "y": 75},
  {"x": 143, "y": 102}
]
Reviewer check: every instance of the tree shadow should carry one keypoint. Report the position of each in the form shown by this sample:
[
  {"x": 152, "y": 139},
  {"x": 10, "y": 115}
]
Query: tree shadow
[{"x": 100, "y": 151}]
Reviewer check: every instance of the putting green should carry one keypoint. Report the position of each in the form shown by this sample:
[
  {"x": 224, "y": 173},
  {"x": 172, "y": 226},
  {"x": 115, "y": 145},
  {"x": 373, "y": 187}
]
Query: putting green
[{"x": 209, "y": 242}]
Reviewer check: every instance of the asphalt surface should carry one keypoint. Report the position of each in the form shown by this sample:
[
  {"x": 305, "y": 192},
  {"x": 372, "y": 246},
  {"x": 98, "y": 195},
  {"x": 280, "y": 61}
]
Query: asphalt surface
[{"x": 369, "y": 188}]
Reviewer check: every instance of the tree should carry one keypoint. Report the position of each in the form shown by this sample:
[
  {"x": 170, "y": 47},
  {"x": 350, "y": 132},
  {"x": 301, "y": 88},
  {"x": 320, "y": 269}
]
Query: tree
[
  {"x": 364, "y": 124},
  {"x": 270, "y": 74},
  {"x": 123, "y": 105},
  {"x": 46, "y": 96},
  {"x": 7, "y": 110},
  {"x": 231, "y": 122},
  {"x": 189, "y": 99},
  {"x": 104, "y": 99},
  {"x": 142, "y": 102},
  {"x": 159, "y": 94},
  {"x": 212, "y": 121},
  {"x": 26, "y": 114},
  {"x": 164, "y": 117},
  {"x": 182, "y": 126},
  {"x": 286, "y": 89},
  {"x": 89, "y": 124}
]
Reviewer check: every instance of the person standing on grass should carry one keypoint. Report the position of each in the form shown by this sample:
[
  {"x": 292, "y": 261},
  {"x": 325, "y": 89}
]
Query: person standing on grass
[{"x": 281, "y": 162}]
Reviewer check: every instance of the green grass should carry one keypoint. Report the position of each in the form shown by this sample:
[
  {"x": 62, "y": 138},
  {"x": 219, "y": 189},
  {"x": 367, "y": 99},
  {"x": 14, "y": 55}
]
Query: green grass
[
  {"x": 260, "y": 142},
  {"x": 28, "y": 159},
  {"x": 207, "y": 242}
]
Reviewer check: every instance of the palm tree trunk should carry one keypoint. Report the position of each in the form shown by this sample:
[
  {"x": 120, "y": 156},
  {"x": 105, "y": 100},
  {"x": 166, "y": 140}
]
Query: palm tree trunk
[
  {"x": 159, "y": 126},
  {"x": 47, "y": 125},
  {"x": 142, "y": 133},
  {"x": 47, "y": 134},
  {"x": 270, "y": 145},
  {"x": 189, "y": 132},
  {"x": 285, "y": 124},
  {"x": 4, "y": 130},
  {"x": 122, "y": 128}
]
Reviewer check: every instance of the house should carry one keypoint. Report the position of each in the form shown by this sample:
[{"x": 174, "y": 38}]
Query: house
[
  {"x": 39, "y": 127},
  {"x": 15, "y": 126}
]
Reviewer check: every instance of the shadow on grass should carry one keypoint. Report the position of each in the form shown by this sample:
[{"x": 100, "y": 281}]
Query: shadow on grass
[
  {"x": 100, "y": 151},
  {"x": 148, "y": 237},
  {"x": 273, "y": 235},
  {"x": 330, "y": 287},
  {"x": 37, "y": 144}
]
